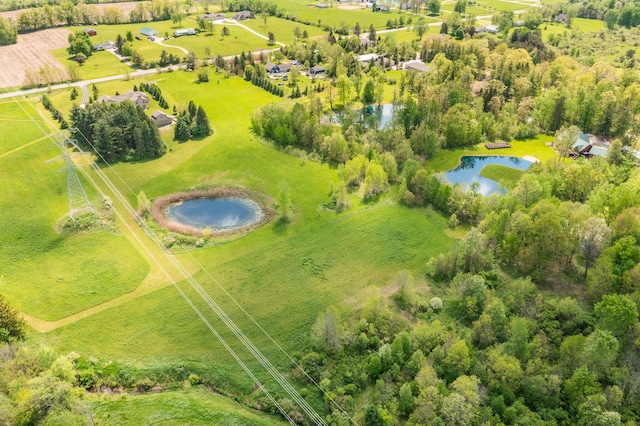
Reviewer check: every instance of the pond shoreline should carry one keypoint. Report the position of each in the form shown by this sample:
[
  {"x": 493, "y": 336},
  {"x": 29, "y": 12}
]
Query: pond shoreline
[{"x": 160, "y": 204}]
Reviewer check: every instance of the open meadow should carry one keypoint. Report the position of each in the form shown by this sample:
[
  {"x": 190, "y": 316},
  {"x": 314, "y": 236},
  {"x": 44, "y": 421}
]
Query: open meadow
[
  {"x": 45, "y": 274},
  {"x": 193, "y": 407},
  {"x": 284, "y": 275}
]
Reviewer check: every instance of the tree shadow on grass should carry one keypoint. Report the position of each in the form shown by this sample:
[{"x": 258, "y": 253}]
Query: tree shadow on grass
[{"x": 280, "y": 227}]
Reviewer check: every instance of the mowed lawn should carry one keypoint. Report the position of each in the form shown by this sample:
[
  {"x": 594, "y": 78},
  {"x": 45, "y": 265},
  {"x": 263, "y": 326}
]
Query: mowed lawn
[
  {"x": 283, "y": 29},
  {"x": 334, "y": 16},
  {"x": 505, "y": 176},
  {"x": 44, "y": 274},
  {"x": 194, "y": 407},
  {"x": 239, "y": 40},
  {"x": 585, "y": 25},
  {"x": 99, "y": 64},
  {"x": 284, "y": 275}
]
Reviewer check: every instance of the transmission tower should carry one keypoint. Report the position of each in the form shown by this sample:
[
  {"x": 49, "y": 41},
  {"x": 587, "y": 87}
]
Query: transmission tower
[{"x": 78, "y": 201}]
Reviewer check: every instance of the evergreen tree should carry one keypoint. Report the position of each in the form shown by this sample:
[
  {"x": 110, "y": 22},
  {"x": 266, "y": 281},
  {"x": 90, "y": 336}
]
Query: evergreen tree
[
  {"x": 202, "y": 127},
  {"x": 182, "y": 130},
  {"x": 192, "y": 109}
]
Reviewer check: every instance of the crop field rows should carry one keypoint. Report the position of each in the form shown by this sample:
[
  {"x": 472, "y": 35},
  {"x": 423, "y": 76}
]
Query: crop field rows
[{"x": 31, "y": 53}]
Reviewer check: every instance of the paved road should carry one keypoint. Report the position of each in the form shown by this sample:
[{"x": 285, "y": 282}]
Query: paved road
[
  {"x": 134, "y": 74},
  {"x": 85, "y": 95}
]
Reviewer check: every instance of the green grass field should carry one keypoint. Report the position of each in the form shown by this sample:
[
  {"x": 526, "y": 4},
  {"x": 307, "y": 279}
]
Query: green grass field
[
  {"x": 306, "y": 11},
  {"x": 45, "y": 274},
  {"x": 581, "y": 24},
  {"x": 505, "y": 176},
  {"x": 282, "y": 28},
  {"x": 193, "y": 407},
  {"x": 239, "y": 40},
  {"x": 283, "y": 275},
  {"x": 100, "y": 64},
  {"x": 493, "y": 5},
  {"x": 476, "y": 10},
  {"x": 15, "y": 122}
]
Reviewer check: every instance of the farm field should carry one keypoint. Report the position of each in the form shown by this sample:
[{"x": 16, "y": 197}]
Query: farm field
[{"x": 31, "y": 53}]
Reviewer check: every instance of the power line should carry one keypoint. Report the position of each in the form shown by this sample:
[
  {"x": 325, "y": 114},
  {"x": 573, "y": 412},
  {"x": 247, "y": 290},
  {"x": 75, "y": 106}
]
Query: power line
[
  {"x": 302, "y": 403},
  {"x": 191, "y": 304},
  {"x": 249, "y": 345}
]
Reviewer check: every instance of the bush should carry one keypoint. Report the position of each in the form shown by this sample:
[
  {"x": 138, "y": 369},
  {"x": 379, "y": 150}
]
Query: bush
[
  {"x": 436, "y": 303},
  {"x": 194, "y": 379}
]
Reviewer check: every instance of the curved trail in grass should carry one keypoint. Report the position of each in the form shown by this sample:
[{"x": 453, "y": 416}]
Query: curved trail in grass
[
  {"x": 155, "y": 279},
  {"x": 26, "y": 145}
]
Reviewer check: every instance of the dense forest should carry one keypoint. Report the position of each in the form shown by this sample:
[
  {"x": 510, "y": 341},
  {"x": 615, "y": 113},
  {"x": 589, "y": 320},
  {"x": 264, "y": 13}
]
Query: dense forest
[{"x": 479, "y": 339}]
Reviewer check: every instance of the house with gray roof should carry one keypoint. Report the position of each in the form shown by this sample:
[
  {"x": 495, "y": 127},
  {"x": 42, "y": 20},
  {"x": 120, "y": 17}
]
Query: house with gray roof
[{"x": 139, "y": 98}]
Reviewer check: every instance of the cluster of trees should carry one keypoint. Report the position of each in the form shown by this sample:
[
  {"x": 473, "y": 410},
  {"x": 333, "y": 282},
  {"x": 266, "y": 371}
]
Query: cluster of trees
[
  {"x": 80, "y": 46},
  {"x": 192, "y": 122},
  {"x": 8, "y": 31},
  {"x": 625, "y": 14},
  {"x": 55, "y": 113},
  {"x": 154, "y": 91},
  {"x": 68, "y": 13},
  {"x": 487, "y": 349},
  {"x": 117, "y": 131}
]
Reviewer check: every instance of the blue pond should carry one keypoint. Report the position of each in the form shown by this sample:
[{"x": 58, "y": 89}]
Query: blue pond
[
  {"x": 219, "y": 214},
  {"x": 469, "y": 171}
]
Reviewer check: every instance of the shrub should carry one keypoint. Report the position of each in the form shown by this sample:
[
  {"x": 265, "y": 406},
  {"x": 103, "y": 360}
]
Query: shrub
[{"x": 436, "y": 303}]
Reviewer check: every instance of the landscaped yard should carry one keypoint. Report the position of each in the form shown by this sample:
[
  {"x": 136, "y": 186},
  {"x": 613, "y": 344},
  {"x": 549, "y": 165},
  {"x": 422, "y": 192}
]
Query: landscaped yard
[
  {"x": 449, "y": 159},
  {"x": 239, "y": 40}
]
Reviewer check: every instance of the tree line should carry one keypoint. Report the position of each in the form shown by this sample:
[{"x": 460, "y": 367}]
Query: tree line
[{"x": 68, "y": 13}]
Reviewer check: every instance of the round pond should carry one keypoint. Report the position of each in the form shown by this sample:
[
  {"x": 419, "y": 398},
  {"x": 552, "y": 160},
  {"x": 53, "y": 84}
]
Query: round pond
[
  {"x": 469, "y": 171},
  {"x": 219, "y": 214}
]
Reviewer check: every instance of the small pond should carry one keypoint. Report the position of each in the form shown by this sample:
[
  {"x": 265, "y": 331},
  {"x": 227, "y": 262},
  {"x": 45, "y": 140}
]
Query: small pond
[
  {"x": 382, "y": 115},
  {"x": 374, "y": 117},
  {"x": 219, "y": 214},
  {"x": 469, "y": 171}
]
